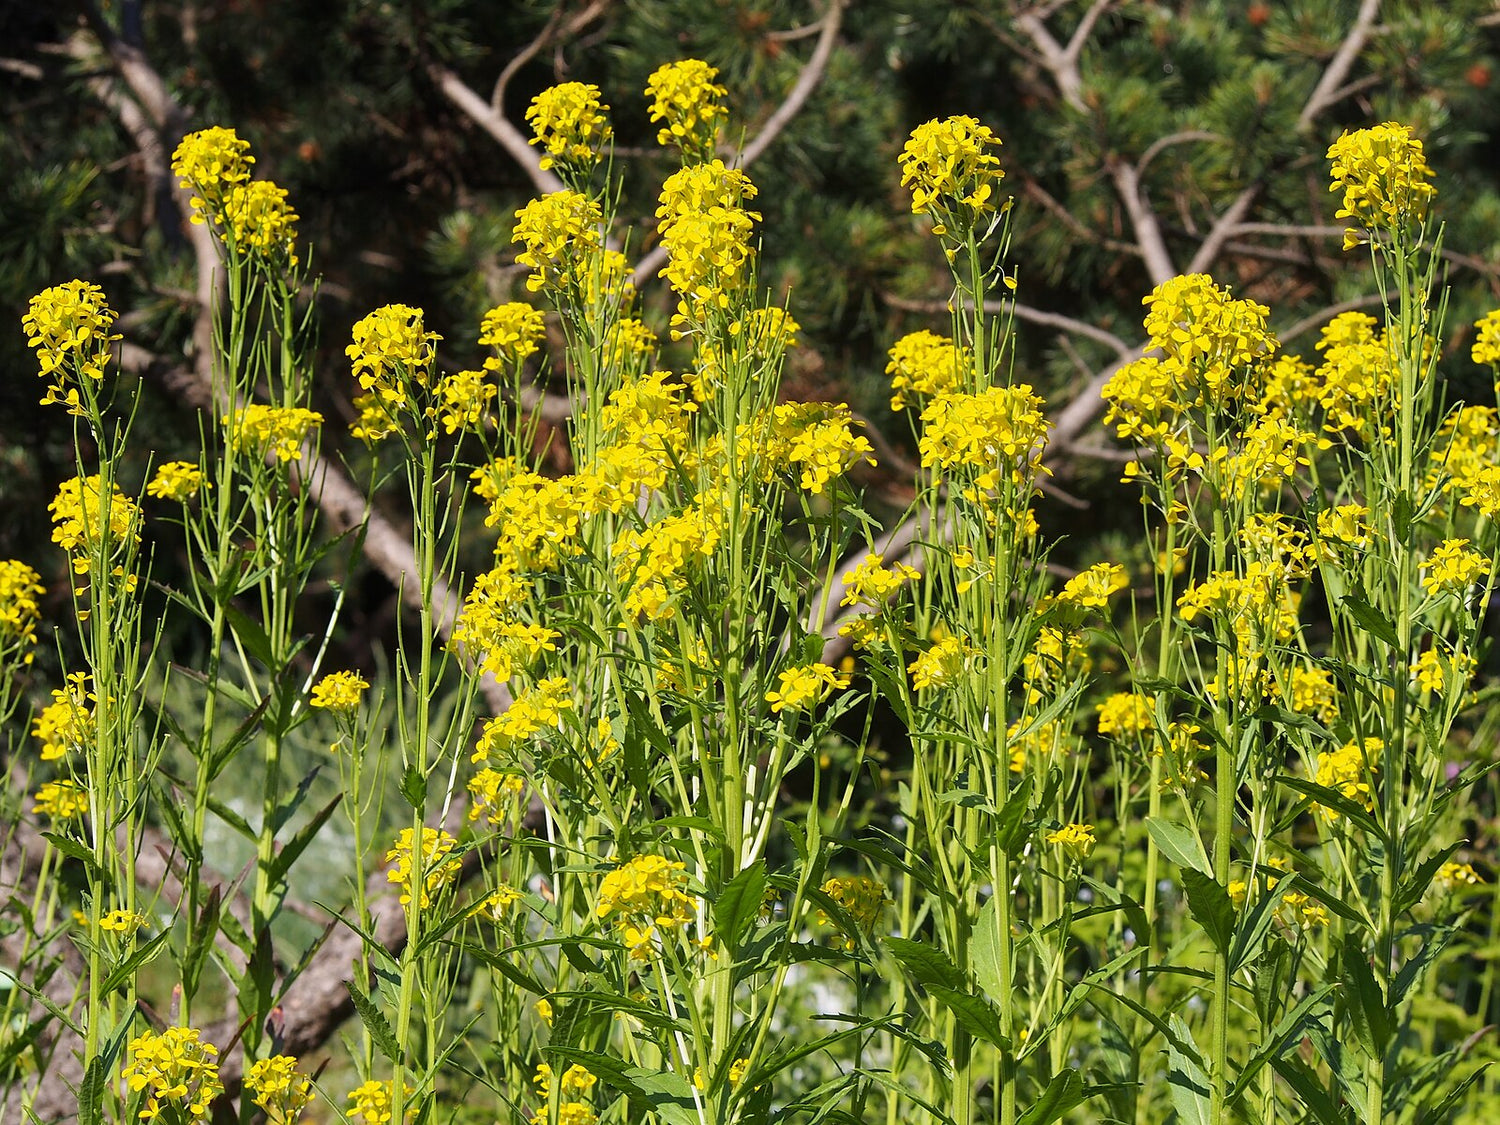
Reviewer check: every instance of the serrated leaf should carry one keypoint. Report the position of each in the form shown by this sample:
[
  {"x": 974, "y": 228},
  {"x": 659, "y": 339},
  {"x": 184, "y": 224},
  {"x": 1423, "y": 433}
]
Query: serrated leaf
[
  {"x": 973, "y": 1013},
  {"x": 1178, "y": 843},
  {"x": 1367, "y": 1008},
  {"x": 74, "y": 850},
  {"x": 414, "y": 787},
  {"x": 1371, "y": 620},
  {"x": 984, "y": 952},
  {"x": 375, "y": 1022},
  {"x": 928, "y": 966}
]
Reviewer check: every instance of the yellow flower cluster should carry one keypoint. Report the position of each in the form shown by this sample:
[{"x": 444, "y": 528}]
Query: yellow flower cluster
[
  {"x": 686, "y": 100},
  {"x": 1453, "y": 876},
  {"x": 392, "y": 352},
  {"x": 1093, "y": 588},
  {"x": 274, "y": 431},
  {"x": 1486, "y": 349},
  {"x": 1346, "y": 525},
  {"x": 817, "y": 440},
  {"x": 212, "y": 162},
  {"x": 1431, "y": 670},
  {"x": 63, "y": 799},
  {"x": 86, "y": 526},
  {"x": 1385, "y": 178},
  {"x": 339, "y": 691},
  {"x": 370, "y": 1103},
  {"x": 175, "y": 1067},
  {"x": 943, "y": 664},
  {"x": 708, "y": 253},
  {"x": 560, "y": 233},
  {"x": 872, "y": 583},
  {"x": 646, "y": 894},
  {"x": 1056, "y": 656},
  {"x": 1310, "y": 691},
  {"x": 1270, "y": 452},
  {"x": 575, "y": 1080},
  {"x": 862, "y": 897},
  {"x": 258, "y": 219},
  {"x": 1467, "y": 445},
  {"x": 801, "y": 687},
  {"x": 462, "y": 401},
  {"x": 176, "y": 480},
  {"x": 1026, "y": 740},
  {"x": 538, "y": 517},
  {"x": 629, "y": 345},
  {"x": 1357, "y": 377},
  {"x": 279, "y": 1088},
  {"x": 436, "y": 869},
  {"x": 20, "y": 587},
  {"x": 493, "y": 795},
  {"x": 490, "y": 630},
  {"x": 530, "y": 713},
  {"x": 951, "y": 173},
  {"x": 1206, "y": 338},
  {"x": 997, "y": 435},
  {"x": 654, "y": 563},
  {"x": 1127, "y": 715},
  {"x": 1452, "y": 568},
  {"x": 515, "y": 330},
  {"x": 569, "y": 123},
  {"x": 67, "y": 723},
  {"x": 923, "y": 364},
  {"x": 69, "y": 326},
  {"x": 700, "y": 187},
  {"x": 1076, "y": 841},
  {"x": 651, "y": 412},
  {"x": 1348, "y": 769}
]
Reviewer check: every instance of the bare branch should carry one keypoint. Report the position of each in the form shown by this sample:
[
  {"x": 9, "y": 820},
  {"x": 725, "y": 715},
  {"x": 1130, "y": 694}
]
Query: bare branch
[
  {"x": 1022, "y": 312},
  {"x": 1325, "y": 93},
  {"x": 1161, "y": 144},
  {"x": 1089, "y": 235},
  {"x": 1323, "y": 316},
  {"x": 530, "y": 51},
  {"x": 807, "y": 81},
  {"x": 511, "y": 139}
]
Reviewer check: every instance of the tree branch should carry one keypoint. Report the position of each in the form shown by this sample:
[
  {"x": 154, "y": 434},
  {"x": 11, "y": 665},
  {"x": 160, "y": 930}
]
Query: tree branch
[
  {"x": 511, "y": 139},
  {"x": 1325, "y": 93}
]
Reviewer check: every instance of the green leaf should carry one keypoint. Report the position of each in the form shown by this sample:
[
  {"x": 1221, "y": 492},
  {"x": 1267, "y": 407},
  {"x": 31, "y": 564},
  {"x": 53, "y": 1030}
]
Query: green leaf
[
  {"x": 375, "y": 1022},
  {"x": 220, "y": 755},
  {"x": 1210, "y": 906},
  {"x": 1010, "y": 821},
  {"x": 1063, "y": 1093},
  {"x": 984, "y": 953},
  {"x": 973, "y": 1013},
  {"x": 1442, "y": 1113},
  {"x": 930, "y": 967},
  {"x": 738, "y": 906},
  {"x": 1309, "y": 1089},
  {"x": 121, "y": 974},
  {"x": 293, "y": 848},
  {"x": 503, "y": 965},
  {"x": 74, "y": 850},
  {"x": 1186, "y": 1077},
  {"x": 414, "y": 787},
  {"x": 260, "y": 978},
  {"x": 1371, "y": 620},
  {"x": 1251, "y": 932},
  {"x": 1367, "y": 1009},
  {"x": 1178, "y": 843},
  {"x": 96, "y": 1077},
  {"x": 251, "y": 635}
]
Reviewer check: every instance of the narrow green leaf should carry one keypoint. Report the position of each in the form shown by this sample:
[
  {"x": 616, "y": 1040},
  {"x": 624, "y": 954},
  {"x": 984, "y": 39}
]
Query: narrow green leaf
[
  {"x": 1178, "y": 843},
  {"x": 1309, "y": 1089},
  {"x": 74, "y": 850},
  {"x": 1187, "y": 1080},
  {"x": 375, "y": 1022},
  {"x": 973, "y": 1013},
  {"x": 249, "y": 633},
  {"x": 1371, "y": 620},
  {"x": 1063, "y": 1093},
  {"x": 1367, "y": 1008},
  {"x": 1250, "y": 934},
  {"x": 984, "y": 953},
  {"x": 1010, "y": 822},
  {"x": 293, "y": 848},
  {"x": 738, "y": 906},
  {"x": 927, "y": 965},
  {"x": 120, "y": 975}
]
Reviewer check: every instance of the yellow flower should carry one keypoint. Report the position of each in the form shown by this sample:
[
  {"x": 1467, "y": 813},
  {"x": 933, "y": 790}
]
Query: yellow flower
[
  {"x": 951, "y": 173},
  {"x": 1304, "y": 910},
  {"x": 391, "y": 353},
  {"x": 646, "y": 893},
  {"x": 1095, "y": 586},
  {"x": 801, "y": 687},
  {"x": 685, "y": 98},
  {"x": 699, "y": 187},
  {"x": 569, "y": 123},
  {"x": 176, "y": 480},
  {"x": 121, "y": 922},
  {"x": 1453, "y": 876},
  {"x": 1209, "y": 341},
  {"x": 1384, "y": 176},
  {"x": 463, "y": 400},
  {"x": 708, "y": 252},
  {"x": 943, "y": 664},
  {"x": 1486, "y": 349},
  {"x": 1346, "y": 525},
  {"x": 1452, "y": 569},
  {"x": 1312, "y": 692},
  {"x": 80, "y": 517},
  {"x": 655, "y": 564},
  {"x": 20, "y": 586},
  {"x": 923, "y": 364},
  {"x": 560, "y": 233},
  {"x": 863, "y": 897},
  {"x": 530, "y": 713},
  {"x": 276, "y": 431},
  {"x": 872, "y": 583},
  {"x": 436, "y": 869},
  {"x": 543, "y": 1008},
  {"x": 493, "y": 795},
  {"x": 1127, "y": 715},
  {"x": 488, "y": 628},
  {"x": 1076, "y": 840},
  {"x": 497, "y": 903},
  {"x": 1025, "y": 740},
  {"x": 370, "y": 1103},
  {"x": 211, "y": 162},
  {"x": 339, "y": 691},
  {"x": 515, "y": 330},
  {"x": 69, "y": 326},
  {"x": 260, "y": 220},
  {"x": 67, "y": 723},
  {"x": 1348, "y": 769},
  {"x": 276, "y": 1085},
  {"x": 818, "y": 440},
  {"x": 1432, "y": 668},
  {"x": 176, "y": 1067},
  {"x": 997, "y": 436}
]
